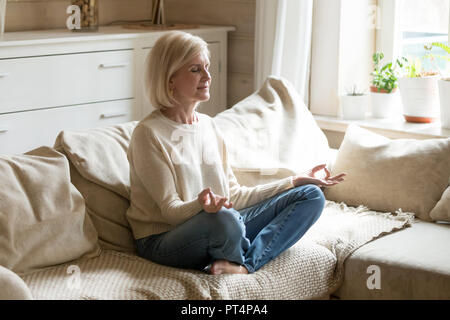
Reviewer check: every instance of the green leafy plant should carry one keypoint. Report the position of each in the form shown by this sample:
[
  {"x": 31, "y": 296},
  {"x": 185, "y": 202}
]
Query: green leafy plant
[
  {"x": 444, "y": 47},
  {"x": 413, "y": 66},
  {"x": 386, "y": 77},
  {"x": 433, "y": 57}
]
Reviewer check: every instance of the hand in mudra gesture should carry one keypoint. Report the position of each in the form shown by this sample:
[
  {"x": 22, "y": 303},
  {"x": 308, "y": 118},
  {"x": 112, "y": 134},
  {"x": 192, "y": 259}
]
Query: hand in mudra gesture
[
  {"x": 312, "y": 177},
  {"x": 211, "y": 202}
]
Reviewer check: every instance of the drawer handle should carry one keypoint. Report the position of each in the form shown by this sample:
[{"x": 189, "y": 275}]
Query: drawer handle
[
  {"x": 3, "y": 129},
  {"x": 112, "y": 115},
  {"x": 113, "y": 65},
  {"x": 4, "y": 74}
]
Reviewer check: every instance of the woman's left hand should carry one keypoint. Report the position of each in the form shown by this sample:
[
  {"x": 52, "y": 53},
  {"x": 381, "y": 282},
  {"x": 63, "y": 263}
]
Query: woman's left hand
[
  {"x": 211, "y": 202},
  {"x": 309, "y": 177}
]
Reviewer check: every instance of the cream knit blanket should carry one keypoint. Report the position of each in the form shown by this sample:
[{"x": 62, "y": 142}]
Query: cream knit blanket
[{"x": 312, "y": 268}]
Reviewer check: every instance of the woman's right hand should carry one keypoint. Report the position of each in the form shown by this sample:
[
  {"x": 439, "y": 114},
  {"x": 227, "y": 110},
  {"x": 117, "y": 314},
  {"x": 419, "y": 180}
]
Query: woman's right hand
[
  {"x": 309, "y": 177},
  {"x": 211, "y": 202}
]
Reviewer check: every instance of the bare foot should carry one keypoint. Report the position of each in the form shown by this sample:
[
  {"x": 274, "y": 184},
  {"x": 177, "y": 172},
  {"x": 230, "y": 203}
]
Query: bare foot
[{"x": 227, "y": 267}]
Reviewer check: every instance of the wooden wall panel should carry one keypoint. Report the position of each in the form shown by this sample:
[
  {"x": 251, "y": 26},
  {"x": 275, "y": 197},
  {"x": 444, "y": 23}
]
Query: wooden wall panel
[
  {"x": 23, "y": 15},
  {"x": 238, "y": 13},
  {"x": 240, "y": 86}
]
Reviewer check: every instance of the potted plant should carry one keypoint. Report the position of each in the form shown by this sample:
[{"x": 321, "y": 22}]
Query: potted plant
[
  {"x": 384, "y": 85},
  {"x": 444, "y": 88},
  {"x": 419, "y": 92},
  {"x": 354, "y": 104}
]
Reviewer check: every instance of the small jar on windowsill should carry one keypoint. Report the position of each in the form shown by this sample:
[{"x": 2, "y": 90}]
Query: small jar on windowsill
[
  {"x": 88, "y": 14},
  {"x": 354, "y": 104}
]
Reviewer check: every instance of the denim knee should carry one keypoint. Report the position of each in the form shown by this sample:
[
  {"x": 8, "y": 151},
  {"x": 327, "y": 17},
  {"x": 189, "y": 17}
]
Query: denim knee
[
  {"x": 319, "y": 197},
  {"x": 311, "y": 191},
  {"x": 314, "y": 193},
  {"x": 226, "y": 225}
]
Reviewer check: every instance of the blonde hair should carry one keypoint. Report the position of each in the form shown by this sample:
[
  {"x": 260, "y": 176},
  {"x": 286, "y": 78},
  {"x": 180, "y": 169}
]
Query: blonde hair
[{"x": 170, "y": 52}]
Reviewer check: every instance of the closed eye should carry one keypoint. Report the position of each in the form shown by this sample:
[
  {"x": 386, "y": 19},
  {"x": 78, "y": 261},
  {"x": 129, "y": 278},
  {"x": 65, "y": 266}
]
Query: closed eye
[{"x": 198, "y": 68}]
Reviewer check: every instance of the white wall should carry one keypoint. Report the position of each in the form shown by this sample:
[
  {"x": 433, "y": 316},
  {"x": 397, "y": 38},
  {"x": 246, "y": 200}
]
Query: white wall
[
  {"x": 357, "y": 44},
  {"x": 325, "y": 57},
  {"x": 343, "y": 42}
]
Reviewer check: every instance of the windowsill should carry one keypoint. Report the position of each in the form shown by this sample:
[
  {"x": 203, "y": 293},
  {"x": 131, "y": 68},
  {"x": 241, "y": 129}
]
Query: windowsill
[{"x": 394, "y": 128}]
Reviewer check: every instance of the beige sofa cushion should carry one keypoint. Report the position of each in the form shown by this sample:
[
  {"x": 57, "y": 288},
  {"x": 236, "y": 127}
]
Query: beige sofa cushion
[
  {"x": 101, "y": 172},
  {"x": 43, "y": 218},
  {"x": 12, "y": 286},
  {"x": 387, "y": 175},
  {"x": 413, "y": 264},
  {"x": 441, "y": 212},
  {"x": 106, "y": 210}
]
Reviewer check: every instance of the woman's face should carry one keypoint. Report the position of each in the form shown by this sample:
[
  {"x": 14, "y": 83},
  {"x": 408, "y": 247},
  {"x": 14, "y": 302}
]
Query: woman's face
[{"x": 190, "y": 84}]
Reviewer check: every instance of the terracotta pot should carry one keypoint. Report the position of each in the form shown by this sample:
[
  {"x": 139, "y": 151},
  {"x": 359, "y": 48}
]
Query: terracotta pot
[{"x": 375, "y": 89}]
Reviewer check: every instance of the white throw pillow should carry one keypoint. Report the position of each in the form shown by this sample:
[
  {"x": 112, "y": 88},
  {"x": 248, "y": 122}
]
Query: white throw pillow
[
  {"x": 43, "y": 220},
  {"x": 387, "y": 175},
  {"x": 271, "y": 134}
]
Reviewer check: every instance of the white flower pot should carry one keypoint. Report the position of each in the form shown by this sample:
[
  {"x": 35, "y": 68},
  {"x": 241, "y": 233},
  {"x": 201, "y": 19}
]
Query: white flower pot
[
  {"x": 383, "y": 103},
  {"x": 420, "y": 99},
  {"x": 444, "y": 94},
  {"x": 354, "y": 107}
]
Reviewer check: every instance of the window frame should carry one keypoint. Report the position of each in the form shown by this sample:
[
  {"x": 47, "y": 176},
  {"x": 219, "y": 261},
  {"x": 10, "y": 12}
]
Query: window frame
[{"x": 388, "y": 37}]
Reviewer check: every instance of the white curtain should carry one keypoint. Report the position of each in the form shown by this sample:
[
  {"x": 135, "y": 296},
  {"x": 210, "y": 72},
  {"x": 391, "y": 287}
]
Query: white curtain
[{"x": 283, "y": 42}]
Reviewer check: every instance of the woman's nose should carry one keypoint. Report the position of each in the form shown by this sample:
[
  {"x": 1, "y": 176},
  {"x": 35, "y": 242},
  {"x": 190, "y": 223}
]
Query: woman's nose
[{"x": 206, "y": 74}]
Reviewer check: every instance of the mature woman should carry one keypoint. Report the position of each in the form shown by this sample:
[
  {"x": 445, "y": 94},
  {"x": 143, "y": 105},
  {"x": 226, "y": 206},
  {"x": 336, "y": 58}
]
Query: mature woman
[{"x": 187, "y": 208}]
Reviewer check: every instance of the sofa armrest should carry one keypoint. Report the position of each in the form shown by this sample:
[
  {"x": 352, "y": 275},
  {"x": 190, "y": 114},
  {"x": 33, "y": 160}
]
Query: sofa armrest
[{"x": 12, "y": 286}]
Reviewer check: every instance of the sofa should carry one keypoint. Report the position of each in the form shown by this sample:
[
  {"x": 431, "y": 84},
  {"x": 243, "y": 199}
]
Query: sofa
[{"x": 383, "y": 234}]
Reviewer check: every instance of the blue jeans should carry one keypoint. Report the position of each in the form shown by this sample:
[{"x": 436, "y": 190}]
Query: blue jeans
[{"x": 250, "y": 237}]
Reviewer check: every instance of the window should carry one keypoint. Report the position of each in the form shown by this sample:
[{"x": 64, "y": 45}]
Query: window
[
  {"x": 408, "y": 25},
  {"x": 420, "y": 23}
]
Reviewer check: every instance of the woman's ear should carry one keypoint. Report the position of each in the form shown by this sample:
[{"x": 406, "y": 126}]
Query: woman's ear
[{"x": 171, "y": 87}]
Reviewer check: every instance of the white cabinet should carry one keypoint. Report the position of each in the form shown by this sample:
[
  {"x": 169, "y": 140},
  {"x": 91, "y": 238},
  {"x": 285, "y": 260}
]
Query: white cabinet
[
  {"x": 59, "y": 80},
  {"x": 54, "y": 80},
  {"x": 23, "y": 131}
]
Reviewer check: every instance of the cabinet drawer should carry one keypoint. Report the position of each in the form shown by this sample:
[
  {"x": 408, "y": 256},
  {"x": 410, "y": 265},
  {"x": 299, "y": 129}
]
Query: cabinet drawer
[
  {"x": 24, "y": 131},
  {"x": 61, "y": 80}
]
